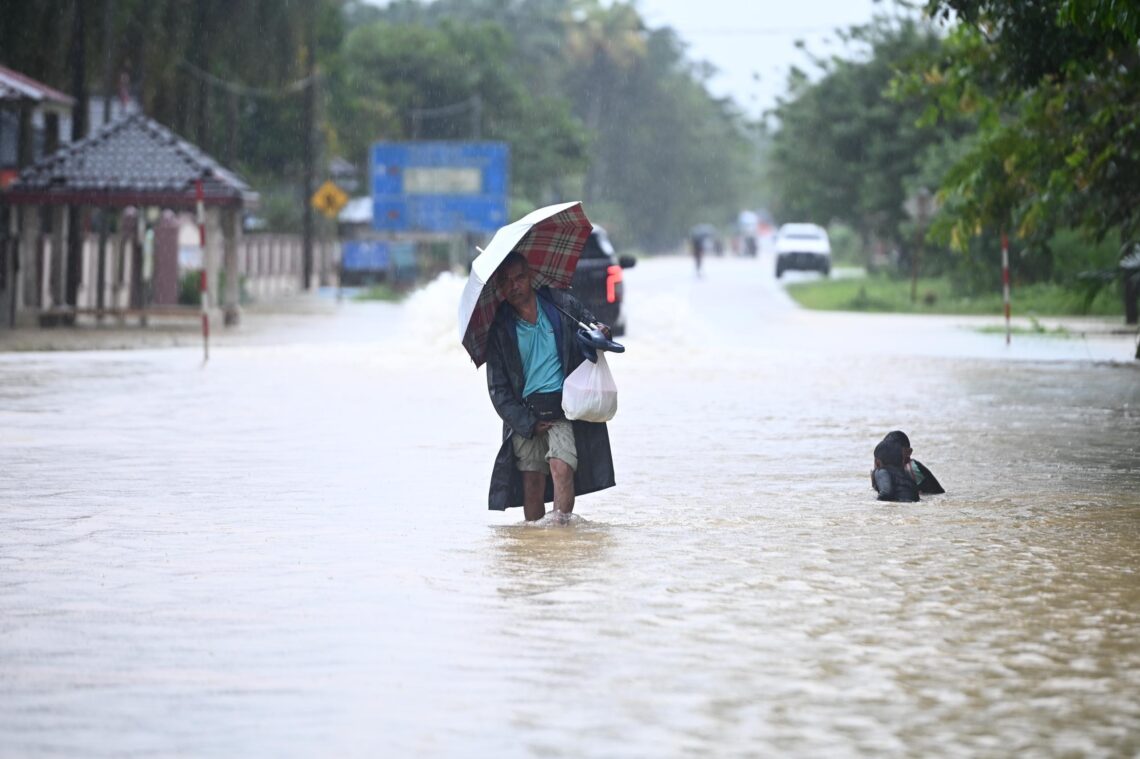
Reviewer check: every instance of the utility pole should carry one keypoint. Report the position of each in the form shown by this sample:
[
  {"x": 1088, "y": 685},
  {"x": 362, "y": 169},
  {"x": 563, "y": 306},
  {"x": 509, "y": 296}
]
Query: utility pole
[
  {"x": 308, "y": 153},
  {"x": 108, "y": 57},
  {"x": 74, "y": 268},
  {"x": 232, "y": 107},
  {"x": 922, "y": 207},
  {"x": 1005, "y": 281},
  {"x": 199, "y": 46},
  {"x": 79, "y": 71}
]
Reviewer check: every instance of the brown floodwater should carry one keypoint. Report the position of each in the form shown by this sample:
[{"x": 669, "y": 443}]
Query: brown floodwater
[{"x": 288, "y": 552}]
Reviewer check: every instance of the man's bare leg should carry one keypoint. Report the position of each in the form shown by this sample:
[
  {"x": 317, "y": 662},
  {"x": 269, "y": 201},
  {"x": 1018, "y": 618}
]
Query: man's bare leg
[
  {"x": 534, "y": 488},
  {"x": 563, "y": 477}
]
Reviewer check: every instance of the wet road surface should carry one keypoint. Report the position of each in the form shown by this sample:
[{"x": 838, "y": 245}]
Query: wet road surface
[{"x": 288, "y": 553}]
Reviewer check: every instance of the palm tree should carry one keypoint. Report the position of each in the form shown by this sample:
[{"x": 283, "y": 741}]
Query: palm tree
[{"x": 603, "y": 45}]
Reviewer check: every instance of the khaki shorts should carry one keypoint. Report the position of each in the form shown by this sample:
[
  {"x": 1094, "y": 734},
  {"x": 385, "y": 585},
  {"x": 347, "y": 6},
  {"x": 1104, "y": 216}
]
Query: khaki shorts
[{"x": 533, "y": 454}]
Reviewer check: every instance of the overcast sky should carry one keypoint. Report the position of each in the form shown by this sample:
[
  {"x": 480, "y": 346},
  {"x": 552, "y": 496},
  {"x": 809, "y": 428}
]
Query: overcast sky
[{"x": 753, "y": 43}]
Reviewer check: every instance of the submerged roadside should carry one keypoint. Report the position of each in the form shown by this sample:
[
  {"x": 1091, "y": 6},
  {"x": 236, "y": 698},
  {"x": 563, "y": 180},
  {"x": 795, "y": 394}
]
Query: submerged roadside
[
  {"x": 1037, "y": 309},
  {"x": 259, "y": 323}
]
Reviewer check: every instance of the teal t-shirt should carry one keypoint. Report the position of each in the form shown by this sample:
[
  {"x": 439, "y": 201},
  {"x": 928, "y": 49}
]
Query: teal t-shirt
[
  {"x": 919, "y": 475},
  {"x": 539, "y": 350}
]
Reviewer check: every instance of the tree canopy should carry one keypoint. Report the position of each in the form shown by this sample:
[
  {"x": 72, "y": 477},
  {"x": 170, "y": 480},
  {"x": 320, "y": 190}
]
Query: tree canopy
[
  {"x": 1055, "y": 87},
  {"x": 593, "y": 103},
  {"x": 845, "y": 150},
  {"x": 624, "y": 120}
]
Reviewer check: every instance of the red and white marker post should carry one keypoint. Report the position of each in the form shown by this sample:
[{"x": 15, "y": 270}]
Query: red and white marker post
[
  {"x": 1005, "y": 281},
  {"x": 203, "y": 282}
]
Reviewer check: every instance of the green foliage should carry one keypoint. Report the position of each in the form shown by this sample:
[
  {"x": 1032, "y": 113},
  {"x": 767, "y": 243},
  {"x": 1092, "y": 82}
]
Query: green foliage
[
  {"x": 625, "y": 122},
  {"x": 190, "y": 293},
  {"x": 846, "y": 247},
  {"x": 1035, "y": 328},
  {"x": 1056, "y": 89},
  {"x": 1073, "y": 254},
  {"x": 381, "y": 292},
  {"x": 281, "y": 209},
  {"x": 593, "y": 102},
  {"x": 447, "y": 71},
  {"x": 844, "y": 151},
  {"x": 1111, "y": 16},
  {"x": 169, "y": 50},
  {"x": 666, "y": 153},
  {"x": 881, "y": 293},
  {"x": 393, "y": 75}
]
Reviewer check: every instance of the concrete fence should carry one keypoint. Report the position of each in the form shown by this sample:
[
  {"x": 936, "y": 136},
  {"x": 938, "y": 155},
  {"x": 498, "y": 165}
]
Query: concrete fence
[
  {"x": 272, "y": 265},
  {"x": 131, "y": 275}
]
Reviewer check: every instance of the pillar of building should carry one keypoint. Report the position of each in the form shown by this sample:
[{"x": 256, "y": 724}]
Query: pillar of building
[
  {"x": 212, "y": 256},
  {"x": 28, "y": 290},
  {"x": 231, "y": 298},
  {"x": 57, "y": 277}
]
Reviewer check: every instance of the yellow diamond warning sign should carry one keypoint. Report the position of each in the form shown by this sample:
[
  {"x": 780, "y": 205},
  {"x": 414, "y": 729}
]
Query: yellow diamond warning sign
[{"x": 329, "y": 199}]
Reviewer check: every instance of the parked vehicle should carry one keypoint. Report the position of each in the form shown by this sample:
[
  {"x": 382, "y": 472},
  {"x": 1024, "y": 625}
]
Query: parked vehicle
[
  {"x": 803, "y": 246},
  {"x": 598, "y": 281}
]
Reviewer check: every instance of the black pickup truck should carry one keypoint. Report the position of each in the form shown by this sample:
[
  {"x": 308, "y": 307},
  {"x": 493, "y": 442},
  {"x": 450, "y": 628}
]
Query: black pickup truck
[{"x": 598, "y": 282}]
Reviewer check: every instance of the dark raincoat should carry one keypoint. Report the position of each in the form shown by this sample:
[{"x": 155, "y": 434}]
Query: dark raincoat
[
  {"x": 892, "y": 483},
  {"x": 505, "y": 384},
  {"x": 929, "y": 485}
]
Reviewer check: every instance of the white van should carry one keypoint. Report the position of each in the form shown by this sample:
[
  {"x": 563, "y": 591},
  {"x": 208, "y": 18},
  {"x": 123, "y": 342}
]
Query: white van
[{"x": 804, "y": 247}]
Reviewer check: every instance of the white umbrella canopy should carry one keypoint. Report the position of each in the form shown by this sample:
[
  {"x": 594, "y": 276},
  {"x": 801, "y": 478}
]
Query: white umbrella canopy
[{"x": 551, "y": 239}]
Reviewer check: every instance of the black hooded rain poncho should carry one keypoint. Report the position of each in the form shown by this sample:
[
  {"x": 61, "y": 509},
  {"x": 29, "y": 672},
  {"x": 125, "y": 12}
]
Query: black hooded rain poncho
[{"x": 505, "y": 384}]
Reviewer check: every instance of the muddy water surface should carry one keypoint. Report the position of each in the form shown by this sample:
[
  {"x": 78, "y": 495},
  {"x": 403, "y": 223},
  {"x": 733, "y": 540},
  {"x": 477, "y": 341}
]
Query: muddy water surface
[{"x": 288, "y": 553}]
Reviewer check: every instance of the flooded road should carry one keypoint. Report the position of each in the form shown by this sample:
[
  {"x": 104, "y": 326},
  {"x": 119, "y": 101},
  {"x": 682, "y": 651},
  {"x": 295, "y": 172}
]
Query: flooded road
[{"x": 288, "y": 553}]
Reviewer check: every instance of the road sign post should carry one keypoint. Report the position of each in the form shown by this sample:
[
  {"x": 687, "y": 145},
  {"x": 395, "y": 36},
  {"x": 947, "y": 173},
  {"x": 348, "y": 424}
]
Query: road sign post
[
  {"x": 329, "y": 199},
  {"x": 1005, "y": 282}
]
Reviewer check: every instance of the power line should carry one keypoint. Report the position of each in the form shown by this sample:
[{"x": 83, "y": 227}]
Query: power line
[
  {"x": 757, "y": 32},
  {"x": 238, "y": 88},
  {"x": 446, "y": 110},
  {"x": 473, "y": 105}
]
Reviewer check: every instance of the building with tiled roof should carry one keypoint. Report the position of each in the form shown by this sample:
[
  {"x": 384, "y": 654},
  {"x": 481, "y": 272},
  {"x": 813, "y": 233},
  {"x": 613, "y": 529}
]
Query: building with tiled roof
[
  {"x": 17, "y": 86},
  {"x": 123, "y": 175},
  {"x": 133, "y": 161},
  {"x": 34, "y": 119}
]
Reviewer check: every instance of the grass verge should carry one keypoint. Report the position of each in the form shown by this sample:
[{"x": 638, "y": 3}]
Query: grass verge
[
  {"x": 379, "y": 292},
  {"x": 879, "y": 293},
  {"x": 1035, "y": 328}
]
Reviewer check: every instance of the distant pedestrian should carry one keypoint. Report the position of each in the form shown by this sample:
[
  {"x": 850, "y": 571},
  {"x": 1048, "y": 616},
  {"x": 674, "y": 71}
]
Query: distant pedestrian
[
  {"x": 889, "y": 479},
  {"x": 698, "y": 243}
]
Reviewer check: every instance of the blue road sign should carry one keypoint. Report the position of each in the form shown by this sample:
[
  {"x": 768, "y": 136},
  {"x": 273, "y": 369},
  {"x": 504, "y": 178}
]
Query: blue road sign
[
  {"x": 439, "y": 186},
  {"x": 364, "y": 255}
]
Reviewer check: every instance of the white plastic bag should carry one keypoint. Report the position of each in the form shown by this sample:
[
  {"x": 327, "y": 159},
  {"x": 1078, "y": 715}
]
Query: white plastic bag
[{"x": 589, "y": 393}]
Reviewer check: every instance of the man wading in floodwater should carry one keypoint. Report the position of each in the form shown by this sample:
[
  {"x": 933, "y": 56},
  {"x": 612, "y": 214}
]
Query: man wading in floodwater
[{"x": 530, "y": 350}]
